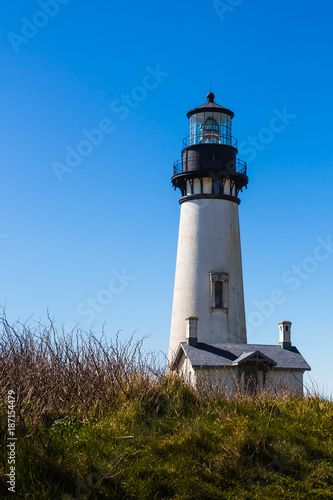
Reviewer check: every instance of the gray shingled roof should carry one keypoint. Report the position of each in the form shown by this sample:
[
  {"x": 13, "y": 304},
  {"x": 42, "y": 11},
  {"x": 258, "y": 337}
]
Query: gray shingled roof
[{"x": 221, "y": 355}]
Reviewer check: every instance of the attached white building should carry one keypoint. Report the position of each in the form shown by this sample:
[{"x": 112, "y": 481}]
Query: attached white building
[{"x": 241, "y": 368}]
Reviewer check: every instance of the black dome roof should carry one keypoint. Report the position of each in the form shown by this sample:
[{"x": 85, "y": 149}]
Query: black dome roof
[{"x": 210, "y": 105}]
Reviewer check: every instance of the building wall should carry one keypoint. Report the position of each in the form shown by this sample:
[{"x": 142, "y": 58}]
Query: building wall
[
  {"x": 186, "y": 370},
  {"x": 227, "y": 379},
  {"x": 224, "y": 380},
  {"x": 209, "y": 241},
  {"x": 214, "y": 378},
  {"x": 281, "y": 380}
]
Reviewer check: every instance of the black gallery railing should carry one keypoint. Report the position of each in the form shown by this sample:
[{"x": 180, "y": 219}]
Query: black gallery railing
[{"x": 207, "y": 166}]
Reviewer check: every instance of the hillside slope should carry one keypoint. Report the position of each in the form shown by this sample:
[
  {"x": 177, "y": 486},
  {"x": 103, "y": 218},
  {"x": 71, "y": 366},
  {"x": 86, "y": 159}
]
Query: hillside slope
[
  {"x": 174, "y": 444},
  {"x": 101, "y": 420}
]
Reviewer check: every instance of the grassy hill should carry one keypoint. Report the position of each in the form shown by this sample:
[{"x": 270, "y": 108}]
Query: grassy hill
[{"x": 97, "y": 420}]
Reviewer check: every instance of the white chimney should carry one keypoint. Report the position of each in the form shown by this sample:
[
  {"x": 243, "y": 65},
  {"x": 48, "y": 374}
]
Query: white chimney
[
  {"x": 285, "y": 334},
  {"x": 191, "y": 335}
]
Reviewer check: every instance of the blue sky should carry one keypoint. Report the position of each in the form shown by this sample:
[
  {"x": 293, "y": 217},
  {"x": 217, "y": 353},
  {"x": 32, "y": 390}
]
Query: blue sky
[{"x": 101, "y": 236}]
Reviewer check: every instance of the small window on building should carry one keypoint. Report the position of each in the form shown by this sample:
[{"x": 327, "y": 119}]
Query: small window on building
[
  {"x": 219, "y": 291},
  {"x": 286, "y": 328}
]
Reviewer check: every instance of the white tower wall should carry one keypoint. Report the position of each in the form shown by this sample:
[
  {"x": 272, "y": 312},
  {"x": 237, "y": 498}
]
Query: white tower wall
[{"x": 208, "y": 242}]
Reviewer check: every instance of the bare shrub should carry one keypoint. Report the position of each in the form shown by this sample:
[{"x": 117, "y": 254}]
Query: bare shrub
[{"x": 59, "y": 372}]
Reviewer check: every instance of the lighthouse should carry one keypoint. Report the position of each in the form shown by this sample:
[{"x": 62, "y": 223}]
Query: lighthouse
[
  {"x": 208, "y": 289},
  {"x": 208, "y": 343}
]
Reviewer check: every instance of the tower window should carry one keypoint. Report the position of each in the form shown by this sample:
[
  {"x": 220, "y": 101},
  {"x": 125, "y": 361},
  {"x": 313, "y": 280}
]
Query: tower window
[
  {"x": 218, "y": 294},
  {"x": 216, "y": 186},
  {"x": 219, "y": 291}
]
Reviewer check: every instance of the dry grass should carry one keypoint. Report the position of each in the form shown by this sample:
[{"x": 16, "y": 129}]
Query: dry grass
[{"x": 52, "y": 372}]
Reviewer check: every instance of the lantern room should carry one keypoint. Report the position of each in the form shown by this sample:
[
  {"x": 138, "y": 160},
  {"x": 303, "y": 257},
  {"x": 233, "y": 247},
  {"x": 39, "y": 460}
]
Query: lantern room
[
  {"x": 210, "y": 124},
  {"x": 209, "y": 155}
]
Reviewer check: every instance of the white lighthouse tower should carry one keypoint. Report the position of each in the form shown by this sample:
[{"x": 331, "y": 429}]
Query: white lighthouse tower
[{"x": 208, "y": 280}]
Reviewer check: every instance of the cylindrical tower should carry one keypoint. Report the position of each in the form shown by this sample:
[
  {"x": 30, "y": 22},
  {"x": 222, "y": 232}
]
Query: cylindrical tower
[{"x": 208, "y": 280}]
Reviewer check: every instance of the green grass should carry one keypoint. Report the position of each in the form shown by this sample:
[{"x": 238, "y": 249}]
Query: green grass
[
  {"x": 177, "y": 444},
  {"x": 101, "y": 420}
]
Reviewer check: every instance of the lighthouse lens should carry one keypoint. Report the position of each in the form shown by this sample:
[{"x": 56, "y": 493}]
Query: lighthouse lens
[
  {"x": 210, "y": 131},
  {"x": 210, "y": 127}
]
